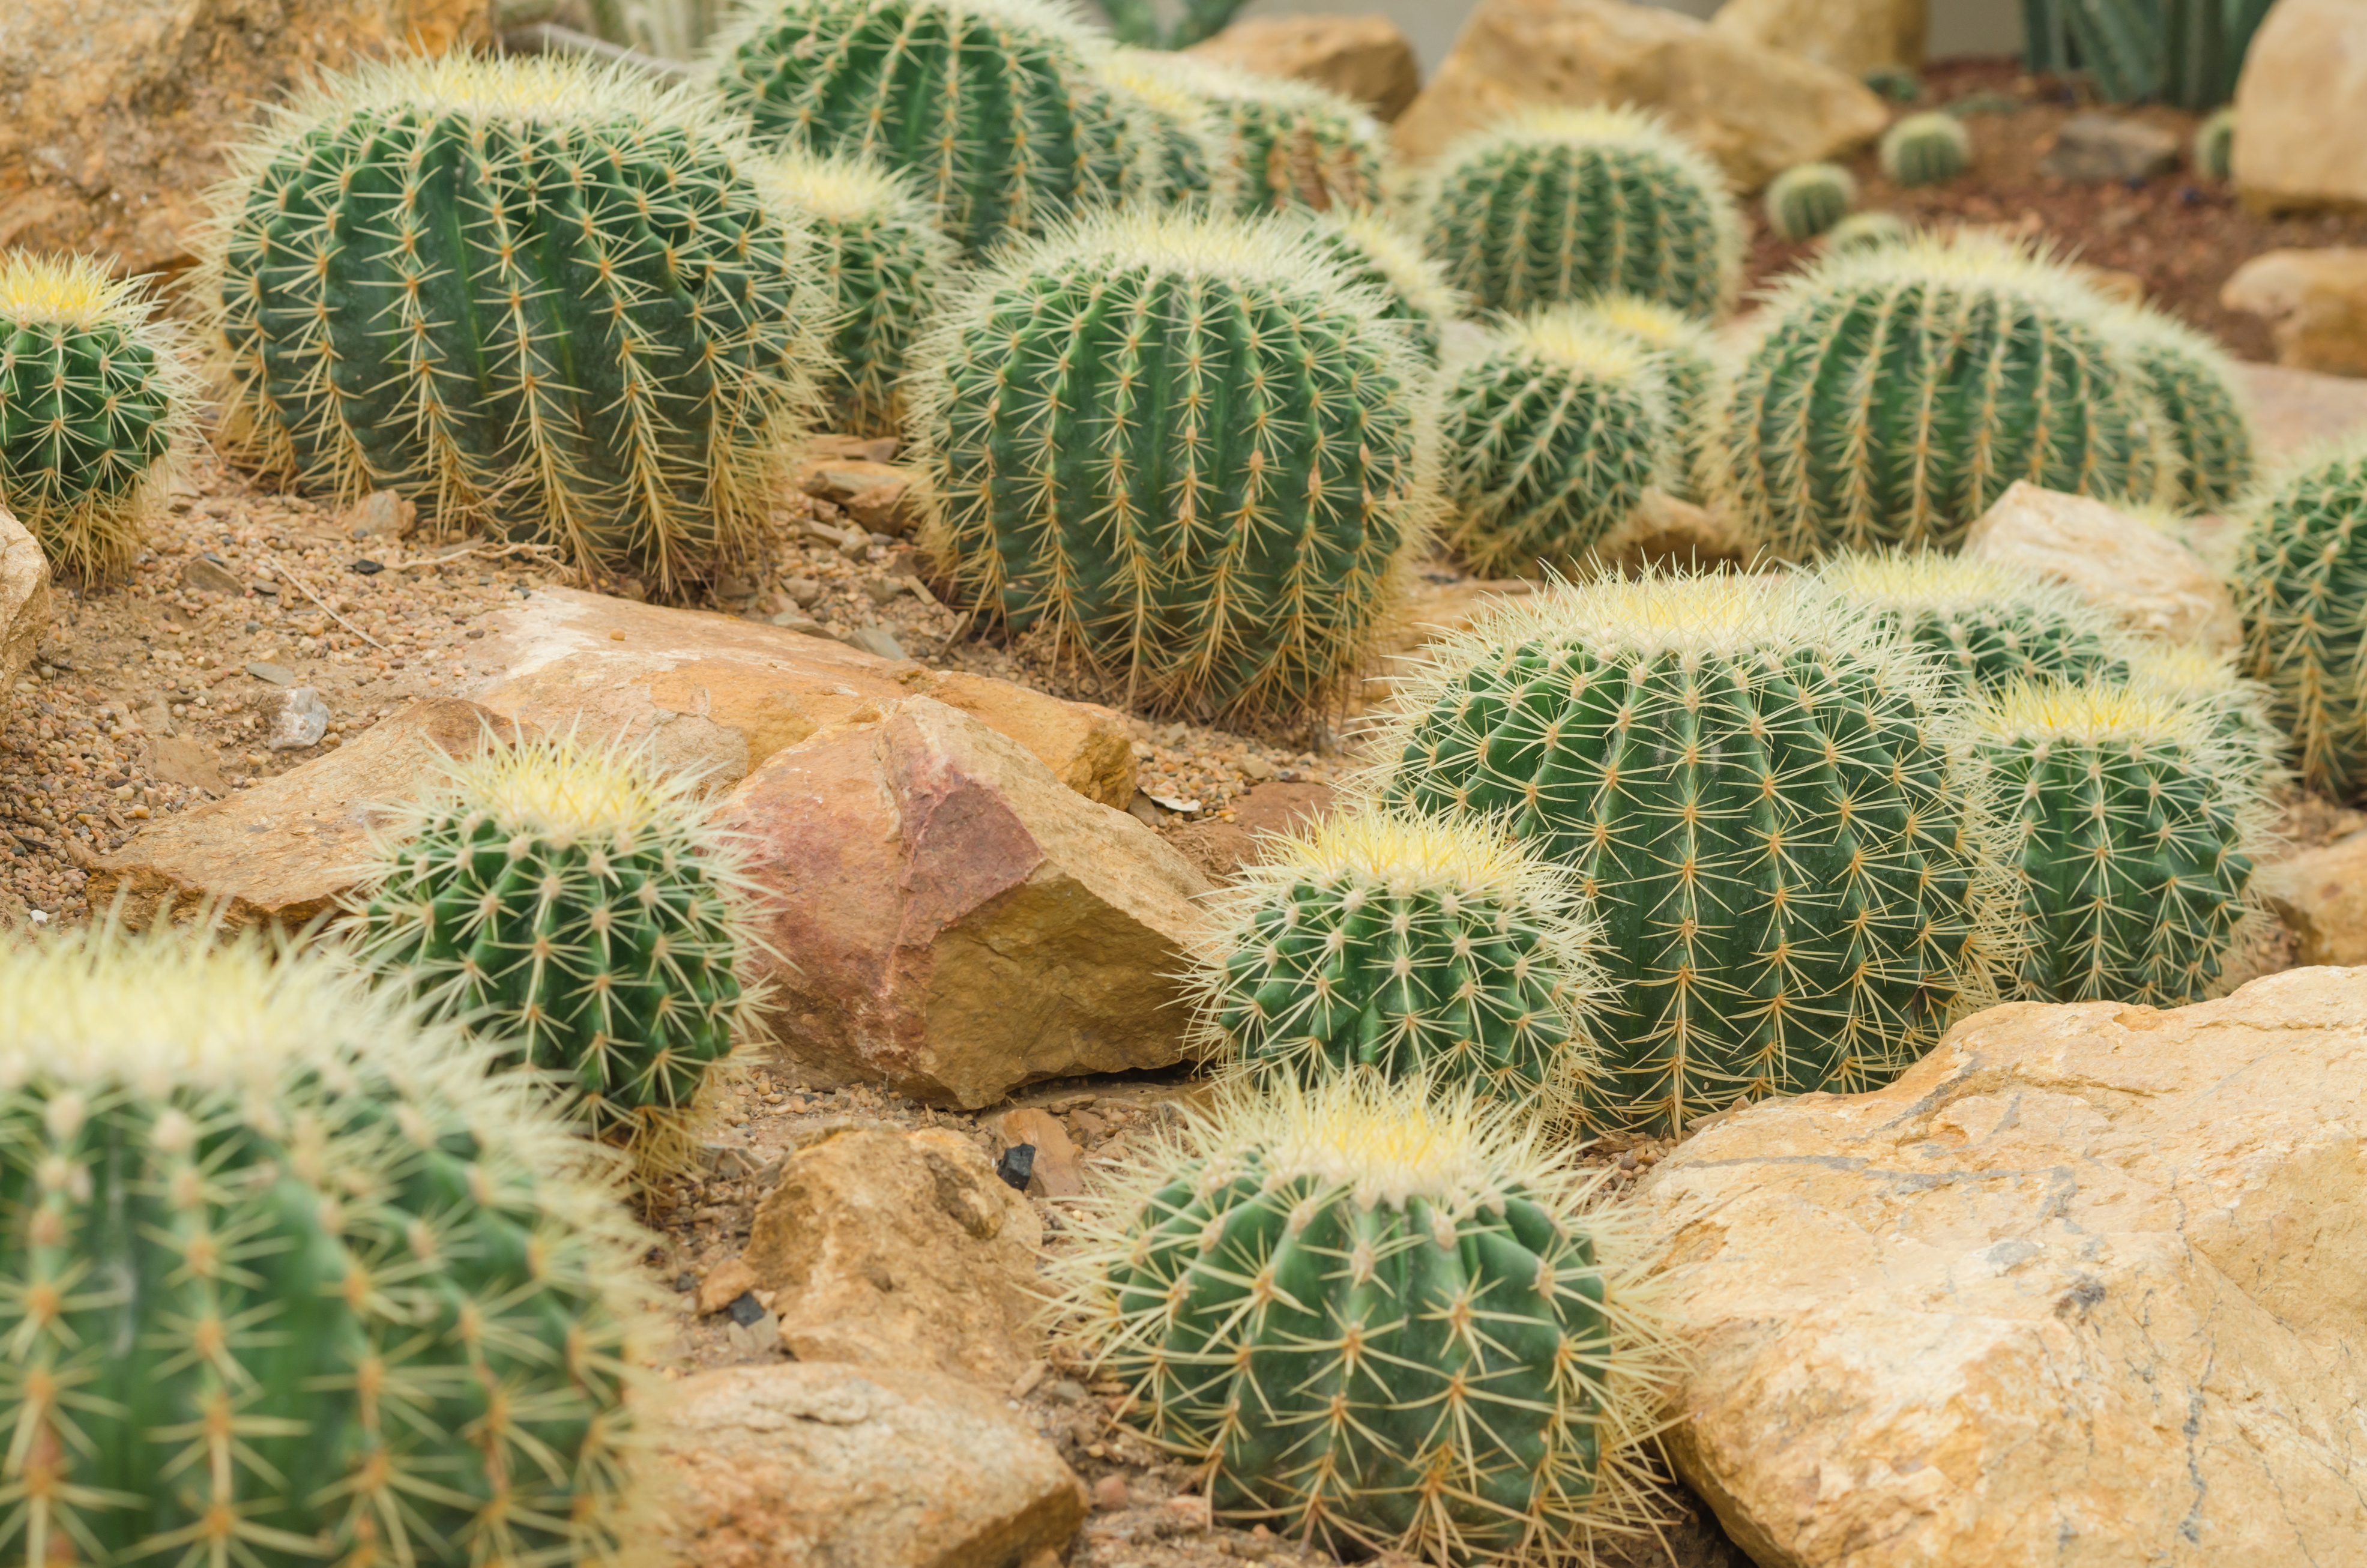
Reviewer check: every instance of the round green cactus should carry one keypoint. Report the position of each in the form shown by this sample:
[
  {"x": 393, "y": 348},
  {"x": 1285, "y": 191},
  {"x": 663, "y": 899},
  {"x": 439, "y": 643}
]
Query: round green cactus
[
  {"x": 1187, "y": 446},
  {"x": 1183, "y": 161},
  {"x": 1866, "y": 231},
  {"x": 1926, "y": 149},
  {"x": 1562, "y": 205},
  {"x": 570, "y": 905},
  {"x": 534, "y": 294},
  {"x": 92, "y": 394},
  {"x": 2193, "y": 382},
  {"x": 1374, "y": 253},
  {"x": 1383, "y": 1323},
  {"x": 1808, "y": 198},
  {"x": 1686, "y": 354},
  {"x": 1896, "y": 393},
  {"x": 2214, "y": 146},
  {"x": 2137, "y": 825},
  {"x": 1282, "y": 143},
  {"x": 1550, "y": 438},
  {"x": 286, "y": 1278},
  {"x": 1762, "y": 794},
  {"x": 1987, "y": 624},
  {"x": 1414, "y": 948},
  {"x": 2301, "y": 582},
  {"x": 991, "y": 107}
]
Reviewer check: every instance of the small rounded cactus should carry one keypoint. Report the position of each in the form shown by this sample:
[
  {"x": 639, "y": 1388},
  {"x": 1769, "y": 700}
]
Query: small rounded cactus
[
  {"x": 1411, "y": 947},
  {"x": 2301, "y": 582},
  {"x": 570, "y": 903},
  {"x": 1686, "y": 354},
  {"x": 286, "y": 1276},
  {"x": 1764, "y": 796},
  {"x": 2214, "y": 146},
  {"x": 93, "y": 393},
  {"x": 1866, "y": 231},
  {"x": 2194, "y": 383},
  {"x": 1987, "y": 624},
  {"x": 1383, "y": 1323},
  {"x": 1372, "y": 252},
  {"x": 1926, "y": 149},
  {"x": 1280, "y": 144},
  {"x": 1549, "y": 439},
  {"x": 1188, "y": 447},
  {"x": 1562, "y": 205},
  {"x": 2136, "y": 822},
  {"x": 1807, "y": 200}
]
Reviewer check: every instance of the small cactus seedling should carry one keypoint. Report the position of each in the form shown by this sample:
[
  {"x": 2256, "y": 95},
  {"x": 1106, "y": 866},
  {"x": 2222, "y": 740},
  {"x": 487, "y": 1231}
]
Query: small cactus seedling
[
  {"x": 1187, "y": 445},
  {"x": 1414, "y": 948},
  {"x": 2301, "y": 582},
  {"x": 1550, "y": 438},
  {"x": 1926, "y": 149},
  {"x": 528, "y": 292},
  {"x": 1686, "y": 354},
  {"x": 1762, "y": 794},
  {"x": 1374, "y": 253},
  {"x": 2138, "y": 824},
  {"x": 1808, "y": 198},
  {"x": 2214, "y": 146},
  {"x": 1866, "y": 231},
  {"x": 572, "y": 906},
  {"x": 1383, "y": 1323},
  {"x": 1562, "y": 205},
  {"x": 1987, "y": 624},
  {"x": 285, "y": 1277},
  {"x": 2193, "y": 382},
  {"x": 93, "y": 393}
]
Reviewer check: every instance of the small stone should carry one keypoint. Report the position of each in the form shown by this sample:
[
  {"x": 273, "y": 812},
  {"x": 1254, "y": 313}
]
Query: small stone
[
  {"x": 299, "y": 722},
  {"x": 1027, "y": 1381},
  {"x": 1109, "y": 1495},
  {"x": 206, "y": 575},
  {"x": 1053, "y": 1168},
  {"x": 886, "y": 590},
  {"x": 745, "y": 1309},
  {"x": 684, "y": 1283},
  {"x": 1068, "y": 1390},
  {"x": 1017, "y": 1167},
  {"x": 877, "y": 640},
  {"x": 724, "y": 1284},
  {"x": 276, "y": 675},
  {"x": 2096, "y": 149},
  {"x": 381, "y": 514},
  {"x": 803, "y": 592}
]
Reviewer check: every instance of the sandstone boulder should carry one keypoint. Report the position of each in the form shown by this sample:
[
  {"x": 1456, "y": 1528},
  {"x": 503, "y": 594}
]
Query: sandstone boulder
[
  {"x": 1369, "y": 59},
  {"x": 2150, "y": 582},
  {"x": 2295, "y": 410},
  {"x": 1853, "y": 37},
  {"x": 2084, "y": 1287},
  {"x": 2314, "y": 302},
  {"x": 878, "y": 496},
  {"x": 953, "y": 922},
  {"x": 2302, "y": 96},
  {"x": 2320, "y": 896},
  {"x": 710, "y": 691},
  {"x": 25, "y": 610},
  {"x": 1756, "y": 111},
  {"x": 799, "y": 1466}
]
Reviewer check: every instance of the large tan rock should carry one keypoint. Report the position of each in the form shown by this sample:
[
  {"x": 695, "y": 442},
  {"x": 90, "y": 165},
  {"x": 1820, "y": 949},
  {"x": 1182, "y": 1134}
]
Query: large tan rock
[
  {"x": 2295, "y": 410},
  {"x": 711, "y": 691},
  {"x": 2149, "y": 581},
  {"x": 901, "y": 1249},
  {"x": 822, "y": 1466},
  {"x": 954, "y": 923},
  {"x": 2320, "y": 896},
  {"x": 24, "y": 607},
  {"x": 2298, "y": 105},
  {"x": 2314, "y": 302},
  {"x": 1853, "y": 37},
  {"x": 1367, "y": 58},
  {"x": 1756, "y": 111},
  {"x": 116, "y": 115},
  {"x": 2085, "y": 1286}
]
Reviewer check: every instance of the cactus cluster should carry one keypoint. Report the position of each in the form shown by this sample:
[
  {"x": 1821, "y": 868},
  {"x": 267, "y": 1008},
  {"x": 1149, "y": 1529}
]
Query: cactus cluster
[
  {"x": 2193, "y": 384},
  {"x": 1987, "y": 624},
  {"x": 1686, "y": 354},
  {"x": 1373, "y": 252},
  {"x": 1808, "y": 198},
  {"x": 1280, "y": 144},
  {"x": 287, "y": 1276},
  {"x": 2301, "y": 582},
  {"x": 1925, "y": 149}
]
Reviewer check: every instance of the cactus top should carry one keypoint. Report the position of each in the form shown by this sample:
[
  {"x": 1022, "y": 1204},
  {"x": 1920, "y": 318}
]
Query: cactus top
[
  {"x": 1396, "y": 256},
  {"x": 1957, "y": 258},
  {"x": 2098, "y": 713},
  {"x": 846, "y": 190},
  {"x": 1576, "y": 335},
  {"x": 70, "y": 290},
  {"x": 1923, "y": 582},
  {"x": 1414, "y": 854},
  {"x": 1654, "y": 324}
]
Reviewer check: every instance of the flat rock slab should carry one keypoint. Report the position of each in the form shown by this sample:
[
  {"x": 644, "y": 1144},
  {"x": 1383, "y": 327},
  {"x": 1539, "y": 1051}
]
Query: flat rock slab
[{"x": 2088, "y": 1286}]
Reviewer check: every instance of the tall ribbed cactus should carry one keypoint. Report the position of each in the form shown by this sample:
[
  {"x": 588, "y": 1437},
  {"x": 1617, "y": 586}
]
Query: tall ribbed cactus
[
  {"x": 1549, "y": 439},
  {"x": 1416, "y": 948},
  {"x": 1374, "y": 253},
  {"x": 1986, "y": 623},
  {"x": 1282, "y": 143},
  {"x": 2301, "y": 582},
  {"x": 1686, "y": 354},
  {"x": 530, "y": 292},
  {"x": 1188, "y": 447},
  {"x": 285, "y": 1278},
  {"x": 1565, "y": 204},
  {"x": 93, "y": 393},
  {"x": 2193, "y": 383},
  {"x": 1762, "y": 794},
  {"x": 1896, "y": 393},
  {"x": 991, "y": 107},
  {"x": 1383, "y": 1323}
]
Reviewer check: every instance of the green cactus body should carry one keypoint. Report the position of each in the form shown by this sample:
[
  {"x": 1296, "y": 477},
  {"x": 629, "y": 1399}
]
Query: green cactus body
[
  {"x": 1374, "y": 253},
  {"x": 1925, "y": 149},
  {"x": 1808, "y": 198},
  {"x": 1411, "y": 948},
  {"x": 570, "y": 906},
  {"x": 1549, "y": 439},
  {"x": 1287, "y": 143},
  {"x": 2214, "y": 146},
  {"x": 530, "y": 292},
  {"x": 1686, "y": 354},
  {"x": 1382, "y": 1321},
  {"x": 991, "y": 106},
  {"x": 1866, "y": 232},
  {"x": 93, "y": 394},
  {"x": 1188, "y": 447},
  {"x": 1763, "y": 796},
  {"x": 1563, "y": 205},
  {"x": 286, "y": 1278},
  {"x": 1896, "y": 82},
  {"x": 883, "y": 261},
  {"x": 2137, "y": 825},
  {"x": 1896, "y": 393},
  {"x": 1989, "y": 625},
  {"x": 1183, "y": 162},
  {"x": 2301, "y": 582},
  {"x": 2193, "y": 383}
]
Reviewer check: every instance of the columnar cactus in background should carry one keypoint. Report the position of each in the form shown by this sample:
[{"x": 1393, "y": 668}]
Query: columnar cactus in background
[
  {"x": 883, "y": 261},
  {"x": 991, "y": 107},
  {"x": 1383, "y": 1322},
  {"x": 1866, "y": 231},
  {"x": 1281, "y": 143},
  {"x": 2193, "y": 383},
  {"x": 285, "y": 1277},
  {"x": 1187, "y": 445},
  {"x": 1549, "y": 439},
  {"x": 1762, "y": 794},
  {"x": 533, "y": 293},
  {"x": 1374, "y": 253},
  {"x": 1897, "y": 393},
  {"x": 573, "y": 907},
  {"x": 1925, "y": 149},
  {"x": 1686, "y": 354},
  {"x": 2137, "y": 825},
  {"x": 1565, "y": 204},
  {"x": 93, "y": 393},
  {"x": 2301, "y": 582},
  {"x": 1430, "y": 949},
  {"x": 1987, "y": 624},
  {"x": 1808, "y": 198}
]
